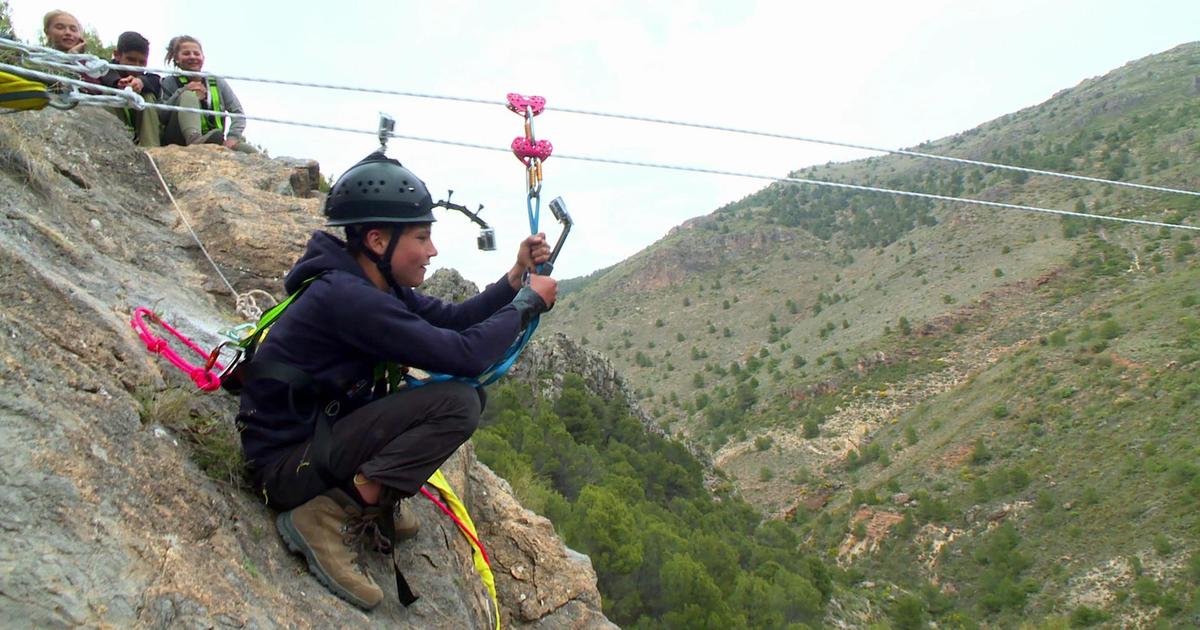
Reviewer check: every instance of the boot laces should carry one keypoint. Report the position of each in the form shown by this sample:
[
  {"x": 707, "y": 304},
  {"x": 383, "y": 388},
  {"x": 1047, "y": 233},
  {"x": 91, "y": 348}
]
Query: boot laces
[{"x": 364, "y": 531}]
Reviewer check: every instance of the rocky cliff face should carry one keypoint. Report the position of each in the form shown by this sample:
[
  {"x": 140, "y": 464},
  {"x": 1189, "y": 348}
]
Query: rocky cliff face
[{"x": 108, "y": 520}]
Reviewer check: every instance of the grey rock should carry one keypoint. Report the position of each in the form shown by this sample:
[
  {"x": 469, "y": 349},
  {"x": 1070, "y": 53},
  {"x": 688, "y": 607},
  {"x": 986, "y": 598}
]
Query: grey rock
[{"x": 106, "y": 520}]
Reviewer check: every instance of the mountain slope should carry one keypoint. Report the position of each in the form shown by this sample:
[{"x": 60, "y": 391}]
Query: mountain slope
[{"x": 920, "y": 386}]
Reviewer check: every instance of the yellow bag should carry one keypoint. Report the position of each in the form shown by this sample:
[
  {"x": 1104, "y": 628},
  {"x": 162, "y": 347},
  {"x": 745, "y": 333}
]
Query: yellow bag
[{"x": 17, "y": 93}]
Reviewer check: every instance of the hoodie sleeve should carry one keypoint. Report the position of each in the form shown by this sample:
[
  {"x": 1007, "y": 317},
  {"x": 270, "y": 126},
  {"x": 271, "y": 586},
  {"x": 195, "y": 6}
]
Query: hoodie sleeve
[
  {"x": 465, "y": 314},
  {"x": 378, "y": 325},
  {"x": 231, "y": 104}
]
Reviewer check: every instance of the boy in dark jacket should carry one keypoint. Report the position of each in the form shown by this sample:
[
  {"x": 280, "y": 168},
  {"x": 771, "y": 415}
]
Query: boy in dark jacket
[
  {"x": 326, "y": 447},
  {"x": 134, "y": 50}
]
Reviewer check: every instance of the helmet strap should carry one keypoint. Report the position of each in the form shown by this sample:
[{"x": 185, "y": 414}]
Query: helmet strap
[{"x": 384, "y": 263}]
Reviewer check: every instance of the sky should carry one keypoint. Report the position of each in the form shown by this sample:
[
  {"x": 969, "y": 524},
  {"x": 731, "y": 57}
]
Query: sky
[{"x": 888, "y": 74}]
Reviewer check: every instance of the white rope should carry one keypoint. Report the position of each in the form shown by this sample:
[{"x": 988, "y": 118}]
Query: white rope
[
  {"x": 864, "y": 147},
  {"x": 889, "y": 191},
  {"x": 662, "y": 166},
  {"x": 244, "y": 304},
  {"x": 43, "y": 56},
  {"x": 712, "y": 171},
  {"x": 248, "y": 306},
  {"x": 127, "y": 97}
]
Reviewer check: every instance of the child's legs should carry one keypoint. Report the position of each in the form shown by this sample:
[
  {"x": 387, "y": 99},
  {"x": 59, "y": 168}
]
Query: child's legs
[
  {"x": 148, "y": 126},
  {"x": 399, "y": 441},
  {"x": 180, "y": 125}
]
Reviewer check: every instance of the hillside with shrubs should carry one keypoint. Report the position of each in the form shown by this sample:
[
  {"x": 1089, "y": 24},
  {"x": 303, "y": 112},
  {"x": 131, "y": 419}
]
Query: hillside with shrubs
[{"x": 973, "y": 416}]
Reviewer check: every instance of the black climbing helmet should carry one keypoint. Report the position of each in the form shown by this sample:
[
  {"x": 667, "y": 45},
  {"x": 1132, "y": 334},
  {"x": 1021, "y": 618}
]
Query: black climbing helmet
[{"x": 378, "y": 190}]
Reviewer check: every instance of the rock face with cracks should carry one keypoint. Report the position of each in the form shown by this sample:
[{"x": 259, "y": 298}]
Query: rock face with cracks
[{"x": 107, "y": 519}]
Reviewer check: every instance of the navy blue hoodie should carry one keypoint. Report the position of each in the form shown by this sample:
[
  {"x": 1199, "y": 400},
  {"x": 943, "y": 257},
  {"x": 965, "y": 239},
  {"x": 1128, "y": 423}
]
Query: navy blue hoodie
[{"x": 343, "y": 325}]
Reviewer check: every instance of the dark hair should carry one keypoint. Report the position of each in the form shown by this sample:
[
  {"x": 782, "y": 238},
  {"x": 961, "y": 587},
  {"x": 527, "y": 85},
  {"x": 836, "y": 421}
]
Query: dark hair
[
  {"x": 175, "y": 43},
  {"x": 355, "y": 233},
  {"x": 131, "y": 41}
]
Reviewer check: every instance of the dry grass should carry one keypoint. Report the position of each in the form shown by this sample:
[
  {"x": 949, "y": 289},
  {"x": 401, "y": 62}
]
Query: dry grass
[{"x": 212, "y": 439}]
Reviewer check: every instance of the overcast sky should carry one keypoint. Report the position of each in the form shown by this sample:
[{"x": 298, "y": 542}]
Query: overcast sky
[{"x": 881, "y": 73}]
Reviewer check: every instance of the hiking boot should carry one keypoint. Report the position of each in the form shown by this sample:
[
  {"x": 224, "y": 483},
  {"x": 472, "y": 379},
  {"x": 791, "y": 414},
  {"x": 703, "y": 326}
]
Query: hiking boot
[
  {"x": 212, "y": 137},
  {"x": 405, "y": 520},
  {"x": 326, "y": 530}
]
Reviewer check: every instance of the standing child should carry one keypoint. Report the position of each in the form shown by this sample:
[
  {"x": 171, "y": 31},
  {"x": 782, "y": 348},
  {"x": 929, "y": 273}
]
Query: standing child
[{"x": 212, "y": 94}]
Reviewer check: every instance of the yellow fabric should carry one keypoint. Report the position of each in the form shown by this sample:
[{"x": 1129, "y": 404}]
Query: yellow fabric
[
  {"x": 438, "y": 480},
  {"x": 20, "y": 94}
]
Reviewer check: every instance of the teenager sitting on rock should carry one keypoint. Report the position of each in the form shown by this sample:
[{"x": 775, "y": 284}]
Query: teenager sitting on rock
[
  {"x": 329, "y": 442},
  {"x": 63, "y": 32},
  {"x": 133, "y": 50},
  {"x": 212, "y": 94}
]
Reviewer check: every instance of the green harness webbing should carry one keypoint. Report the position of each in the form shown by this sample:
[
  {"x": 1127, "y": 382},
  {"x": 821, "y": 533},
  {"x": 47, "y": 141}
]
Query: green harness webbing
[{"x": 216, "y": 121}]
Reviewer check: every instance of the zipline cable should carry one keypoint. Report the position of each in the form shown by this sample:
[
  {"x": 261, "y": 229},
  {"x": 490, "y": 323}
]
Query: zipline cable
[
  {"x": 82, "y": 99},
  {"x": 46, "y": 56},
  {"x": 875, "y": 189},
  {"x": 138, "y": 101}
]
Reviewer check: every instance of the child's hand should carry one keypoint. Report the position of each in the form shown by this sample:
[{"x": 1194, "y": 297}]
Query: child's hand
[
  {"x": 131, "y": 82},
  {"x": 197, "y": 86}
]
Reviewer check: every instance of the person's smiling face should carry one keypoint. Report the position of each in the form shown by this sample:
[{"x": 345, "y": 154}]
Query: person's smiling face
[
  {"x": 413, "y": 253},
  {"x": 190, "y": 56},
  {"x": 64, "y": 33}
]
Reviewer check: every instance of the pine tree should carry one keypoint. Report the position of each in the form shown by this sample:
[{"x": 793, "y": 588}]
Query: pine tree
[{"x": 6, "y": 27}]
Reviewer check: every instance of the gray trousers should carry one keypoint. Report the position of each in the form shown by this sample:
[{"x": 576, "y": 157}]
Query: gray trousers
[{"x": 398, "y": 440}]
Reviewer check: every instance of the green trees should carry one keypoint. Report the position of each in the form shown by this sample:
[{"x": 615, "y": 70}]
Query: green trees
[
  {"x": 6, "y": 27},
  {"x": 667, "y": 553},
  {"x": 603, "y": 524},
  {"x": 1002, "y": 564},
  {"x": 908, "y": 613}
]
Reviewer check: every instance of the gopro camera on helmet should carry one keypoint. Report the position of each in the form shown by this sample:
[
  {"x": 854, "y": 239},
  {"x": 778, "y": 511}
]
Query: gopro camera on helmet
[
  {"x": 487, "y": 236},
  {"x": 486, "y": 240}
]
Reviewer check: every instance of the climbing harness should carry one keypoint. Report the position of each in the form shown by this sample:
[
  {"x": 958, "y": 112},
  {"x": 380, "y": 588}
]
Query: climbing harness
[{"x": 216, "y": 118}]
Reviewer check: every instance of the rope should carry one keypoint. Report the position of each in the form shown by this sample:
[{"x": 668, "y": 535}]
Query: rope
[
  {"x": 690, "y": 169},
  {"x": 712, "y": 171},
  {"x": 203, "y": 377},
  {"x": 127, "y": 97},
  {"x": 865, "y": 147},
  {"x": 41, "y": 56},
  {"x": 83, "y": 99},
  {"x": 889, "y": 191},
  {"x": 244, "y": 304},
  {"x": 248, "y": 306}
]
